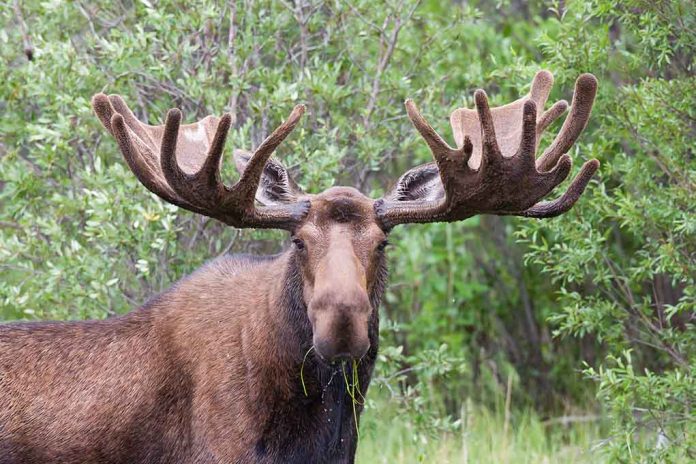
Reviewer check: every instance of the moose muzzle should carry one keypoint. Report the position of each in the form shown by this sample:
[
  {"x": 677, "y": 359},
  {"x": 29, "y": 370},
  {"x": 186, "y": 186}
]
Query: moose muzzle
[
  {"x": 340, "y": 326},
  {"x": 340, "y": 307}
]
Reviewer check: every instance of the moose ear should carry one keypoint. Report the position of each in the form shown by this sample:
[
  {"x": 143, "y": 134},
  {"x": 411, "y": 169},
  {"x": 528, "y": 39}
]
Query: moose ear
[
  {"x": 276, "y": 186},
  {"x": 420, "y": 183}
]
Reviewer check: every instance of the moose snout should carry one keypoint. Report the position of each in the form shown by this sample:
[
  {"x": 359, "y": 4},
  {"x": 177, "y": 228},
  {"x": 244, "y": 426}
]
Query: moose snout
[
  {"x": 341, "y": 327},
  {"x": 336, "y": 352}
]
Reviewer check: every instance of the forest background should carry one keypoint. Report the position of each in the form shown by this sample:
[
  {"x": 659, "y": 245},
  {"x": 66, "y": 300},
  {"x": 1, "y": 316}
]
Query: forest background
[{"x": 503, "y": 339}]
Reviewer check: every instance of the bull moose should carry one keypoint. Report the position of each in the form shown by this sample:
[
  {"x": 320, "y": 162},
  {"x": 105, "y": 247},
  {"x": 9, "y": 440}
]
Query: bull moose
[{"x": 209, "y": 370}]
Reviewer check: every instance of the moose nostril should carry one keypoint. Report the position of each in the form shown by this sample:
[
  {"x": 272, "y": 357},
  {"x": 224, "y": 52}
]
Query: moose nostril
[
  {"x": 328, "y": 354},
  {"x": 333, "y": 352},
  {"x": 340, "y": 357}
]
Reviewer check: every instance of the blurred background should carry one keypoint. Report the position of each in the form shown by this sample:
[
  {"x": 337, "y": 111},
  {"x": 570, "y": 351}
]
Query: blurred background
[{"x": 503, "y": 339}]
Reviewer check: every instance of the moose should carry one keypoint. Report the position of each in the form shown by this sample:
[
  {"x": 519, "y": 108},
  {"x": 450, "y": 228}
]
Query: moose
[{"x": 240, "y": 361}]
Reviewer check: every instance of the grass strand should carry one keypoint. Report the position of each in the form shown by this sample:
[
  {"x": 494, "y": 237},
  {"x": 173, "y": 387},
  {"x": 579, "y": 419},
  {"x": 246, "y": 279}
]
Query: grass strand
[{"x": 304, "y": 387}]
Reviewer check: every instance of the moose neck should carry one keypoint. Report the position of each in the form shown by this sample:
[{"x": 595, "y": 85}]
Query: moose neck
[{"x": 317, "y": 422}]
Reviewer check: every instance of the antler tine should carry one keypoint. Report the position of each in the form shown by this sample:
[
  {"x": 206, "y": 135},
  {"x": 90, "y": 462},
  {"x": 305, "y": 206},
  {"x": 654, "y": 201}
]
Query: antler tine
[
  {"x": 541, "y": 87},
  {"x": 131, "y": 120},
  {"x": 176, "y": 178},
  {"x": 550, "y": 115},
  {"x": 526, "y": 154},
  {"x": 245, "y": 189},
  {"x": 138, "y": 165},
  {"x": 440, "y": 149},
  {"x": 490, "y": 153},
  {"x": 580, "y": 109},
  {"x": 548, "y": 209},
  {"x": 114, "y": 122},
  {"x": 205, "y": 185},
  {"x": 103, "y": 110},
  {"x": 210, "y": 171}
]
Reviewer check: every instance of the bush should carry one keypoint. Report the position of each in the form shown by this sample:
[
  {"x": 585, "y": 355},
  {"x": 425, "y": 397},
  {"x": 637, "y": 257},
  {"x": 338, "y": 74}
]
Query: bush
[
  {"x": 626, "y": 265},
  {"x": 476, "y": 310}
]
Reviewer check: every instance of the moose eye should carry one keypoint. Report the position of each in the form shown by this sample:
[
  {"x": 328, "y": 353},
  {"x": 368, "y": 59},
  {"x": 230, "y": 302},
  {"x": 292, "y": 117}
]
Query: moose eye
[
  {"x": 299, "y": 244},
  {"x": 382, "y": 245}
]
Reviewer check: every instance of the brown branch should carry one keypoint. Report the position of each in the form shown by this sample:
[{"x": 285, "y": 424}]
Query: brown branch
[
  {"x": 383, "y": 62},
  {"x": 231, "y": 37},
  {"x": 385, "y": 58},
  {"x": 566, "y": 420},
  {"x": 26, "y": 39},
  {"x": 10, "y": 225}
]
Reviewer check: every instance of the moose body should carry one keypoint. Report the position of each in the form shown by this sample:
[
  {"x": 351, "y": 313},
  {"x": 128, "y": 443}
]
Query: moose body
[
  {"x": 207, "y": 372},
  {"x": 248, "y": 359}
]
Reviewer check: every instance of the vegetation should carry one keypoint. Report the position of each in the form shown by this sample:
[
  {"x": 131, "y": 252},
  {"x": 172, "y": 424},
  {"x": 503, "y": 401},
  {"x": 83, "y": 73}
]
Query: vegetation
[
  {"x": 481, "y": 437},
  {"x": 497, "y": 332}
]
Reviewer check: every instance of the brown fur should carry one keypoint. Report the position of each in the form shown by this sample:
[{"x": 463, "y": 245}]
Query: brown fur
[{"x": 209, "y": 371}]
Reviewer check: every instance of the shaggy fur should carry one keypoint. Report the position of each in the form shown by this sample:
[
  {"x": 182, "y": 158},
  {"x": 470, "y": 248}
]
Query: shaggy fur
[{"x": 207, "y": 372}]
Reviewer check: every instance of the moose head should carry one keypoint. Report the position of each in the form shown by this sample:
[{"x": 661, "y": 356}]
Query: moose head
[{"x": 339, "y": 235}]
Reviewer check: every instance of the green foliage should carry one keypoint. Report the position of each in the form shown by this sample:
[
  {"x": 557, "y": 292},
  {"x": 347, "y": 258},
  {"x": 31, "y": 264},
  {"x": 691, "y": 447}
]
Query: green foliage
[
  {"x": 482, "y": 437},
  {"x": 628, "y": 261},
  {"x": 476, "y": 311}
]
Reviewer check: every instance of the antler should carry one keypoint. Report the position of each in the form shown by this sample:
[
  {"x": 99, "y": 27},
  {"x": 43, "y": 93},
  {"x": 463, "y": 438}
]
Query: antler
[
  {"x": 489, "y": 174},
  {"x": 181, "y": 164}
]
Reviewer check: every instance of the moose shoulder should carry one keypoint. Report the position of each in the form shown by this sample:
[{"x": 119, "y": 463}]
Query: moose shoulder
[{"x": 244, "y": 360}]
